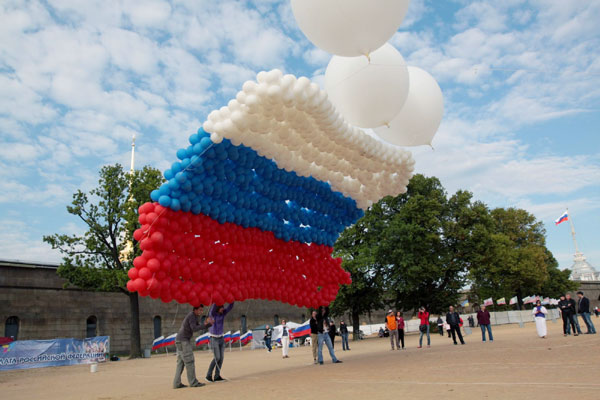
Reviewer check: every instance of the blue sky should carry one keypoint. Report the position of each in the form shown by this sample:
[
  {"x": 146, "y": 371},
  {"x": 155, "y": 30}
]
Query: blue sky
[{"x": 521, "y": 83}]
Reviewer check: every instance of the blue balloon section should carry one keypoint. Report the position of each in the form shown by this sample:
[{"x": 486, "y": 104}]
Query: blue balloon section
[{"x": 234, "y": 184}]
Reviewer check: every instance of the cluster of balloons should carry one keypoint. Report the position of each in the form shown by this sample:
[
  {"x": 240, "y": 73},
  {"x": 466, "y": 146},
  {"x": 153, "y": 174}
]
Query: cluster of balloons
[
  {"x": 253, "y": 205},
  {"x": 234, "y": 184},
  {"x": 197, "y": 260},
  {"x": 367, "y": 80},
  {"x": 292, "y": 121}
]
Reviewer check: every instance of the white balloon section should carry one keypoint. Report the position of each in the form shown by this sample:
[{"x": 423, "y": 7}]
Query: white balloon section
[
  {"x": 293, "y": 122},
  {"x": 367, "y": 80}
]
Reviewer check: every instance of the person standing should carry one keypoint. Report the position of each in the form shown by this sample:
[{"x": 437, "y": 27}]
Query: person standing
[
  {"x": 390, "y": 324},
  {"x": 583, "y": 308},
  {"x": 267, "y": 337},
  {"x": 471, "y": 321},
  {"x": 183, "y": 343},
  {"x": 400, "y": 324},
  {"x": 483, "y": 319},
  {"x": 440, "y": 325},
  {"x": 344, "y": 335},
  {"x": 566, "y": 315},
  {"x": 596, "y": 312},
  {"x": 217, "y": 341},
  {"x": 285, "y": 338},
  {"x": 539, "y": 312},
  {"x": 314, "y": 335},
  {"x": 332, "y": 333},
  {"x": 453, "y": 319},
  {"x": 323, "y": 335},
  {"x": 423, "y": 326},
  {"x": 573, "y": 308}
]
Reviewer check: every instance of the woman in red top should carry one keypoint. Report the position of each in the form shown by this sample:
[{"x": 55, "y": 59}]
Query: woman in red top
[
  {"x": 400, "y": 325},
  {"x": 424, "y": 326}
]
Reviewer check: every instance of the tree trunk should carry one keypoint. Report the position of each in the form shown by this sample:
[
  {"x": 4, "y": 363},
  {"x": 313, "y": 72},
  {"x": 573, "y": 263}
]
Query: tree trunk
[
  {"x": 134, "y": 338},
  {"x": 355, "y": 326}
]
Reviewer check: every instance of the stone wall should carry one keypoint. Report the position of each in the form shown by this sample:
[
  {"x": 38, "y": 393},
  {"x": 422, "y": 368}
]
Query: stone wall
[{"x": 46, "y": 310}]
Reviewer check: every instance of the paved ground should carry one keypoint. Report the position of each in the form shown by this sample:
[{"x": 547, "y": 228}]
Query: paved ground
[{"x": 518, "y": 365}]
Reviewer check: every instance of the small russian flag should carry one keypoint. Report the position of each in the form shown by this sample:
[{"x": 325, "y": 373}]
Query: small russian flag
[
  {"x": 163, "y": 342},
  {"x": 301, "y": 331},
  {"x": 227, "y": 337},
  {"x": 203, "y": 339},
  {"x": 157, "y": 342},
  {"x": 246, "y": 337},
  {"x": 562, "y": 218},
  {"x": 235, "y": 336}
]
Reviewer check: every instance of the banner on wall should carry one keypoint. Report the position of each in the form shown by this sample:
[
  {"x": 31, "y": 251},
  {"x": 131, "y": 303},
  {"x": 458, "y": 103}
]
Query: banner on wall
[{"x": 23, "y": 354}]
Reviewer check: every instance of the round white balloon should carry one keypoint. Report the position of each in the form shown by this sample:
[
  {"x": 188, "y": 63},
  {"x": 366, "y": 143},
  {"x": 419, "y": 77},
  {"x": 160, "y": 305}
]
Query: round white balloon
[
  {"x": 420, "y": 118},
  {"x": 368, "y": 93},
  {"x": 349, "y": 27}
]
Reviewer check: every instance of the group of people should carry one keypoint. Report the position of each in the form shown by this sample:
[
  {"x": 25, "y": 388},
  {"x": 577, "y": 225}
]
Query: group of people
[
  {"x": 319, "y": 319},
  {"x": 185, "y": 346},
  {"x": 395, "y": 325},
  {"x": 323, "y": 332},
  {"x": 569, "y": 309}
]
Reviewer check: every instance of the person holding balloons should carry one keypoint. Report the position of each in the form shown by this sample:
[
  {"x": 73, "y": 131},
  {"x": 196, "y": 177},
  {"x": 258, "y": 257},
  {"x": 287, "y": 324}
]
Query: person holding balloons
[
  {"x": 183, "y": 343},
  {"x": 217, "y": 341}
]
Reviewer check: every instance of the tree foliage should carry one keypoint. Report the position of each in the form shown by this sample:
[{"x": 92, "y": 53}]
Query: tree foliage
[
  {"x": 94, "y": 260},
  {"x": 424, "y": 247}
]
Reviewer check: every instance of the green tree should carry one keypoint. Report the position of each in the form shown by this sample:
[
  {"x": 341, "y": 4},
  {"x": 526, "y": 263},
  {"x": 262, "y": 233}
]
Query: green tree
[
  {"x": 516, "y": 260},
  {"x": 98, "y": 259},
  {"x": 428, "y": 242},
  {"x": 413, "y": 249},
  {"x": 365, "y": 293}
]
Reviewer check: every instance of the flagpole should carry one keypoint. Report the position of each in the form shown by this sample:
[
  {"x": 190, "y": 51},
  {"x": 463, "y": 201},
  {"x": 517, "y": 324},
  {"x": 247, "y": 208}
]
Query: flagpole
[{"x": 573, "y": 232}]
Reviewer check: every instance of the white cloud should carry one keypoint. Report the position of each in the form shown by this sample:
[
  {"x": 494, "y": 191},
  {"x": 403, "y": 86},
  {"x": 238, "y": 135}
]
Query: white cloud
[
  {"x": 19, "y": 242},
  {"x": 130, "y": 51}
]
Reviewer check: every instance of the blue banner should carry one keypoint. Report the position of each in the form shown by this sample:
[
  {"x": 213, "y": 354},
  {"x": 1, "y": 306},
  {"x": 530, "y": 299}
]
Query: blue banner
[{"x": 22, "y": 354}]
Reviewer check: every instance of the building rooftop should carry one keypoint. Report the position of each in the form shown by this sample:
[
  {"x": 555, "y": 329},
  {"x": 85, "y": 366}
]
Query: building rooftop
[{"x": 581, "y": 270}]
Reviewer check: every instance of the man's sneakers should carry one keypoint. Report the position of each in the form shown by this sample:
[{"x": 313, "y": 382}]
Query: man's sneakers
[
  {"x": 337, "y": 362},
  {"x": 209, "y": 378},
  {"x": 219, "y": 379},
  {"x": 198, "y": 384},
  {"x": 181, "y": 385}
]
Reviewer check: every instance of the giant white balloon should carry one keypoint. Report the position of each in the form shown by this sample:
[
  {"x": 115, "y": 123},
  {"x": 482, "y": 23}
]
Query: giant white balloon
[
  {"x": 349, "y": 27},
  {"x": 420, "y": 118},
  {"x": 368, "y": 92}
]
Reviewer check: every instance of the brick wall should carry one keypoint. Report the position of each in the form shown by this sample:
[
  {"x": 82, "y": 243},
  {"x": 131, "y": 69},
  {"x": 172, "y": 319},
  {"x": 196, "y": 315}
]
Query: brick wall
[{"x": 46, "y": 310}]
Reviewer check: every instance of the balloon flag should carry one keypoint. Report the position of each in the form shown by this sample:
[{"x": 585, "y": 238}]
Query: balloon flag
[{"x": 252, "y": 207}]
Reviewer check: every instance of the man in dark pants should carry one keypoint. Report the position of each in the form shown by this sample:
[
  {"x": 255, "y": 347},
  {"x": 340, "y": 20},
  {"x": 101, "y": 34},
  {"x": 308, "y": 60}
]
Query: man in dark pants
[
  {"x": 268, "y": 336},
  {"x": 332, "y": 333},
  {"x": 217, "y": 341},
  {"x": 573, "y": 308},
  {"x": 567, "y": 317},
  {"x": 344, "y": 335},
  {"x": 453, "y": 319},
  {"x": 583, "y": 307},
  {"x": 183, "y": 343}
]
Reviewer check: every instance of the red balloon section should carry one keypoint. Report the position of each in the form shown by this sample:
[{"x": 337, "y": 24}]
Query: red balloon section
[{"x": 196, "y": 260}]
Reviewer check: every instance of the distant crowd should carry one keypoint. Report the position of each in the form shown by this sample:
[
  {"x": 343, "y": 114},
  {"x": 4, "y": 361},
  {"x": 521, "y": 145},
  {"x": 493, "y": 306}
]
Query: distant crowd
[{"x": 323, "y": 332}]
